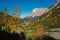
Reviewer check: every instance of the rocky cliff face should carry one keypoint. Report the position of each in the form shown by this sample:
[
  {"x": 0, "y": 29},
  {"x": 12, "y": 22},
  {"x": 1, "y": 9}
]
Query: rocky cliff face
[{"x": 39, "y": 11}]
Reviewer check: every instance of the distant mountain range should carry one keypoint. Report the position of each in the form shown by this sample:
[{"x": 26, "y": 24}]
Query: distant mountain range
[
  {"x": 36, "y": 13},
  {"x": 39, "y": 11}
]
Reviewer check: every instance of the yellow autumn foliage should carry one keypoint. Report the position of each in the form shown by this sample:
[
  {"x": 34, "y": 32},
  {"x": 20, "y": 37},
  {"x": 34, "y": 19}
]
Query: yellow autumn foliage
[{"x": 39, "y": 31}]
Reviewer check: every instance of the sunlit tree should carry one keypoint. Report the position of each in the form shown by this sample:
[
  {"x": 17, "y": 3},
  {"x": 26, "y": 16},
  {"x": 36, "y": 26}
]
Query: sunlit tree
[
  {"x": 17, "y": 10},
  {"x": 40, "y": 31},
  {"x": 5, "y": 15}
]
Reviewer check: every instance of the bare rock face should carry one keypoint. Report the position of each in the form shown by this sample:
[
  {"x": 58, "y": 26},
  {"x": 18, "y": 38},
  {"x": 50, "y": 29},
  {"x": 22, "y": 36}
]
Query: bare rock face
[{"x": 39, "y": 11}]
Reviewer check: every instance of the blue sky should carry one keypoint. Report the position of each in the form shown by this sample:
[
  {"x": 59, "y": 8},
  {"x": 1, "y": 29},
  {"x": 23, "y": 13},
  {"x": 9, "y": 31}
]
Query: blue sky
[{"x": 26, "y": 5}]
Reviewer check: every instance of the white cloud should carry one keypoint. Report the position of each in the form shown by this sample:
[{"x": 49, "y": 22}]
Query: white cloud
[{"x": 35, "y": 10}]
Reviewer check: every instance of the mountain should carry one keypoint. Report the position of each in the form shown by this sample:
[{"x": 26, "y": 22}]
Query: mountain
[
  {"x": 39, "y": 11},
  {"x": 50, "y": 19},
  {"x": 30, "y": 18},
  {"x": 36, "y": 13}
]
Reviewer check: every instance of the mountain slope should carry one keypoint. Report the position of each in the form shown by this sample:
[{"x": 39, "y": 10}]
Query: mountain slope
[{"x": 50, "y": 19}]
